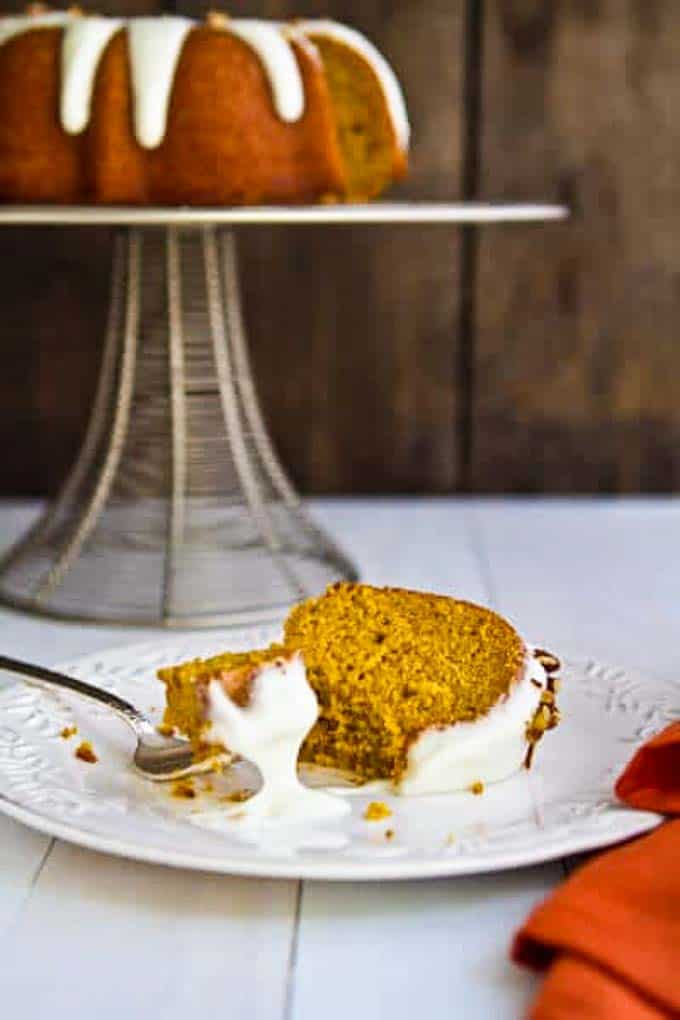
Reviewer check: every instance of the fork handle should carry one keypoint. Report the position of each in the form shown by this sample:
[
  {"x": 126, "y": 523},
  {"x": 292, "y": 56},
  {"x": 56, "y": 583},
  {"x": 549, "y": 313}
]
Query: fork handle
[{"x": 50, "y": 678}]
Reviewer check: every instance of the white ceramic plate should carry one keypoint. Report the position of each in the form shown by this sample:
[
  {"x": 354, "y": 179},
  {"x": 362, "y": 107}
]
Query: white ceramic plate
[{"x": 563, "y": 805}]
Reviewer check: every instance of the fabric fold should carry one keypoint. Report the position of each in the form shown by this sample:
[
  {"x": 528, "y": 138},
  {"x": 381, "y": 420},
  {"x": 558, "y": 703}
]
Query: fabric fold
[{"x": 610, "y": 935}]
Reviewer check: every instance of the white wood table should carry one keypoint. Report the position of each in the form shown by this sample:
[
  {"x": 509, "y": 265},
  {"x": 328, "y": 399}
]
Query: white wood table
[{"x": 86, "y": 935}]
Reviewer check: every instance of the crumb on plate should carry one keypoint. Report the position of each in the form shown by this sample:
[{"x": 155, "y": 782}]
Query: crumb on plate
[
  {"x": 183, "y": 789},
  {"x": 236, "y": 796},
  {"x": 85, "y": 752},
  {"x": 68, "y": 732},
  {"x": 376, "y": 811},
  {"x": 477, "y": 788}
]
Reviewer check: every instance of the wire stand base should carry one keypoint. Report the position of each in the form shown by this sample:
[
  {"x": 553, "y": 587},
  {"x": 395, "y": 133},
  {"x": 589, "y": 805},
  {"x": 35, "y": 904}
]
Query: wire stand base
[{"x": 177, "y": 512}]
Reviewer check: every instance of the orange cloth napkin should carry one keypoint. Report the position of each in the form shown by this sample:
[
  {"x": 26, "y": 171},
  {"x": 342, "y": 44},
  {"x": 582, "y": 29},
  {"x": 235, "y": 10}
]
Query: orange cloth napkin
[{"x": 611, "y": 933}]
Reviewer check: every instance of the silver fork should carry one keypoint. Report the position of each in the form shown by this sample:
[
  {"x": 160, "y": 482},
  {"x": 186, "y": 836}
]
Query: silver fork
[{"x": 156, "y": 757}]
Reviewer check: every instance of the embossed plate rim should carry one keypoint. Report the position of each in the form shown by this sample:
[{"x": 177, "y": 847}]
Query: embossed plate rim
[{"x": 321, "y": 870}]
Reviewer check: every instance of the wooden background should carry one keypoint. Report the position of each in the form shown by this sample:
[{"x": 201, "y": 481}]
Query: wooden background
[{"x": 511, "y": 359}]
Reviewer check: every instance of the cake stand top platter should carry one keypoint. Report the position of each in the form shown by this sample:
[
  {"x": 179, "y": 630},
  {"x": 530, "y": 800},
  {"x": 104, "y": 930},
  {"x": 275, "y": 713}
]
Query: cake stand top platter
[{"x": 330, "y": 215}]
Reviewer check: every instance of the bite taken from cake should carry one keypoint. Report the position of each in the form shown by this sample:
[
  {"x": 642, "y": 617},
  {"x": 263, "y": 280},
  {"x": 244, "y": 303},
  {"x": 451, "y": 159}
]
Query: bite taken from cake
[
  {"x": 262, "y": 712},
  {"x": 429, "y": 693}
]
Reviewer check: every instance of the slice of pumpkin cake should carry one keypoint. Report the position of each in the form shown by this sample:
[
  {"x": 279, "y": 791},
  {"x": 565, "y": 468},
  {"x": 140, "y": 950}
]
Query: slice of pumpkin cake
[{"x": 430, "y": 692}]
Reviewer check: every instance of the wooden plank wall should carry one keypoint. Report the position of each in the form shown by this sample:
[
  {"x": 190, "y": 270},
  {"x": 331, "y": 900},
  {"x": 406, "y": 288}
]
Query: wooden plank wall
[
  {"x": 577, "y": 361},
  {"x": 435, "y": 360},
  {"x": 354, "y": 331}
]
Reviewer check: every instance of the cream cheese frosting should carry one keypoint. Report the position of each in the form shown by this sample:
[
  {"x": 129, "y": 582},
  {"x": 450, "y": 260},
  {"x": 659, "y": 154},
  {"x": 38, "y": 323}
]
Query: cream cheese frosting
[
  {"x": 267, "y": 39},
  {"x": 85, "y": 40},
  {"x": 486, "y": 750},
  {"x": 155, "y": 47},
  {"x": 17, "y": 24},
  {"x": 268, "y": 731}
]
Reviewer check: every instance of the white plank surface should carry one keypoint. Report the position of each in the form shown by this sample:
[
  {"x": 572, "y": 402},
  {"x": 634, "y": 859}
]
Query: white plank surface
[
  {"x": 590, "y": 579},
  {"x": 108, "y": 938},
  {"x": 86, "y": 935},
  {"x": 22, "y": 855},
  {"x": 438, "y": 947}
]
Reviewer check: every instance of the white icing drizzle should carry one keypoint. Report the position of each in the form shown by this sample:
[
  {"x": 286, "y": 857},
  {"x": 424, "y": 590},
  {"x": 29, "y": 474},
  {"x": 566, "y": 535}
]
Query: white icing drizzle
[
  {"x": 269, "y": 732},
  {"x": 18, "y": 24},
  {"x": 155, "y": 46},
  {"x": 278, "y": 61},
  {"x": 394, "y": 97},
  {"x": 85, "y": 40}
]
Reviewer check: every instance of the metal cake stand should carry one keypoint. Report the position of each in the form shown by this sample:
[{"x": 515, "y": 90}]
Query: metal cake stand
[{"x": 177, "y": 511}]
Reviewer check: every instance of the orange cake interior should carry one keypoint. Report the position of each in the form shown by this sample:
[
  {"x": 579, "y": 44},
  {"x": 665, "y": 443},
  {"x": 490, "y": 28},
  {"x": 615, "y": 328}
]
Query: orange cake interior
[{"x": 370, "y": 157}]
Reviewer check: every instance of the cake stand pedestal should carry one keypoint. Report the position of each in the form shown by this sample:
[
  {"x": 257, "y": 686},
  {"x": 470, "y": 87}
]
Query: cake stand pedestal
[{"x": 177, "y": 511}]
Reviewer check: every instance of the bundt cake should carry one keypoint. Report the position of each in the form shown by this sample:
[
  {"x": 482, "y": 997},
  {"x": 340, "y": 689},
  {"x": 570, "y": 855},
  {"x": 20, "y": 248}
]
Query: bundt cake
[
  {"x": 166, "y": 111},
  {"x": 429, "y": 692}
]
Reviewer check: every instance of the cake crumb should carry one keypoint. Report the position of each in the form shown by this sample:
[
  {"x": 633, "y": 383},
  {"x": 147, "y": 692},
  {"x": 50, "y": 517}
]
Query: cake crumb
[
  {"x": 236, "y": 797},
  {"x": 477, "y": 788},
  {"x": 85, "y": 752},
  {"x": 389, "y": 833},
  {"x": 376, "y": 811},
  {"x": 183, "y": 789},
  {"x": 165, "y": 729},
  {"x": 450, "y": 839},
  {"x": 68, "y": 732}
]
